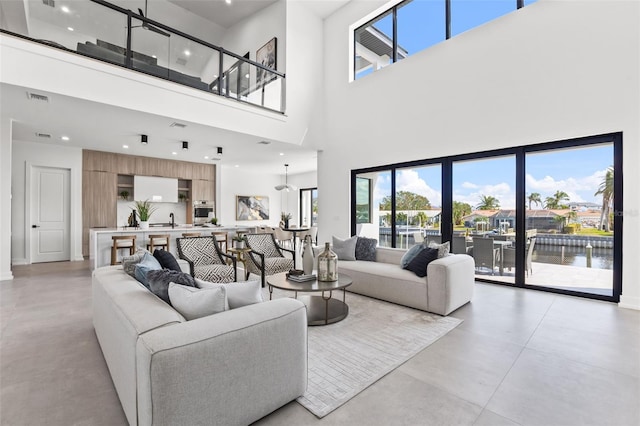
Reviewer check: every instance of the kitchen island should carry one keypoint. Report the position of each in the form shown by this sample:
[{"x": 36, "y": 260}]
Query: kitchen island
[{"x": 100, "y": 238}]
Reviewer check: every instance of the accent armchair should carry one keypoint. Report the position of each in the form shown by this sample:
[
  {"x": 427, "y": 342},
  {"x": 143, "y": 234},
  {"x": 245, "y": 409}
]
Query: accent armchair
[
  {"x": 267, "y": 257},
  {"x": 206, "y": 260}
]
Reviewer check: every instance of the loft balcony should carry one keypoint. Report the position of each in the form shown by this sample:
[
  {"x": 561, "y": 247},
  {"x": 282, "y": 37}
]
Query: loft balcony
[{"x": 109, "y": 33}]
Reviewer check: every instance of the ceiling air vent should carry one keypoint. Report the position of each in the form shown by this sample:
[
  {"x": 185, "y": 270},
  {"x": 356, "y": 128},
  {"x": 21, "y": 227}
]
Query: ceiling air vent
[
  {"x": 36, "y": 97},
  {"x": 43, "y": 135},
  {"x": 264, "y": 143},
  {"x": 176, "y": 124},
  {"x": 181, "y": 61},
  {"x": 51, "y": 3}
]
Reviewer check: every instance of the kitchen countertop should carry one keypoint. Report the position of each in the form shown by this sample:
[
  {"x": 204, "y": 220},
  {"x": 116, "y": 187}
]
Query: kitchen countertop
[{"x": 168, "y": 228}]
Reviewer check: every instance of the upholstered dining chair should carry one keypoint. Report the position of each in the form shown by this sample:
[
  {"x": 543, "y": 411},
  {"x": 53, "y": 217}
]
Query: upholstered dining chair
[
  {"x": 267, "y": 257},
  {"x": 283, "y": 236},
  {"x": 206, "y": 260},
  {"x": 485, "y": 254}
]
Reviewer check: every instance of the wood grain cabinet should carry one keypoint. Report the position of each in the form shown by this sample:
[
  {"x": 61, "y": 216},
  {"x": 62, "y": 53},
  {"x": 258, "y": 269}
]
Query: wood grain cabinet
[
  {"x": 202, "y": 190},
  {"x": 98, "y": 203}
]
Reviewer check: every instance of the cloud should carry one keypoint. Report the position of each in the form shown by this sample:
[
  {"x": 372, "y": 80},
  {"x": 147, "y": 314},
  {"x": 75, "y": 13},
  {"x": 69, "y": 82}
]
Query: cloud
[
  {"x": 501, "y": 191},
  {"x": 579, "y": 189},
  {"x": 469, "y": 185},
  {"x": 409, "y": 180}
]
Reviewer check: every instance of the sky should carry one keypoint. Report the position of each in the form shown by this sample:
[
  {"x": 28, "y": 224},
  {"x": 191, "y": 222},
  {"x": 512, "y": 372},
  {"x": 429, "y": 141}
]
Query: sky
[{"x": 578, "y": 172}]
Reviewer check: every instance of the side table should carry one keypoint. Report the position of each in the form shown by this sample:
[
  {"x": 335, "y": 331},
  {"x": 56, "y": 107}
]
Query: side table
[{"x": 241, "y": 256}]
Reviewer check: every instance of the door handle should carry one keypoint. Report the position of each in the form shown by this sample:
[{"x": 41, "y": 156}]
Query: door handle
[{"x": 35, "y": 226}]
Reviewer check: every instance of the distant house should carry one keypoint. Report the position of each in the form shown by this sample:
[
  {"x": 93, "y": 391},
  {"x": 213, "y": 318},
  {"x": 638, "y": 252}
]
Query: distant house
[
  {"x": 584, "y": 206},
  {"x": 542, "y": 220}
]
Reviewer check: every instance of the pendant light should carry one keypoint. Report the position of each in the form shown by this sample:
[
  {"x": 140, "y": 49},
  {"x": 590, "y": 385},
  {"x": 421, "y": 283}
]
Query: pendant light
[{"x": 286, "y": 185}]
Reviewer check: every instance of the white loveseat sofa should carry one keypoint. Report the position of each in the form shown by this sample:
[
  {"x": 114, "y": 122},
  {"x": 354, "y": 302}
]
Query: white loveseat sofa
[
  {"x": 447, "y": 286},
  {"x": 231, "y": 368}
]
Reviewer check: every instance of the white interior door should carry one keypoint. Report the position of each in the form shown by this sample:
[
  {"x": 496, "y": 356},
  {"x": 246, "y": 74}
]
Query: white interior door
[{"x": 50, "y": 213}]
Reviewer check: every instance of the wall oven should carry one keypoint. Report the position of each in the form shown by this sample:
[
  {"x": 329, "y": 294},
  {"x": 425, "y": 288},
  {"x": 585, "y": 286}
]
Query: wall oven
[{"x": 202, "y": 212}]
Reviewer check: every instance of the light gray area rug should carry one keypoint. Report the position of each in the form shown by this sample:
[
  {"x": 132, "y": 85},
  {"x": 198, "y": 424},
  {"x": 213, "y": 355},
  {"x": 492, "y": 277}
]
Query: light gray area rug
[{"x": 377, "y": 337}]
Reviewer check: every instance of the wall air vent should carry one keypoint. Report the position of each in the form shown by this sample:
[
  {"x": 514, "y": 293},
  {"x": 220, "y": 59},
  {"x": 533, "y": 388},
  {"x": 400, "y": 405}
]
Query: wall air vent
[
  {"x": 43, "y": 135},
  {"x": 181, "y": 61},
  {"x": 176, "y": 124},
  {"x": 37, "y": 97},
  {"x": 51, "y": 3}
]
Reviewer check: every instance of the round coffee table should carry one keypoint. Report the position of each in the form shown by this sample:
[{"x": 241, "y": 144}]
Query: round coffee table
[{"x": 321, "y": 310}]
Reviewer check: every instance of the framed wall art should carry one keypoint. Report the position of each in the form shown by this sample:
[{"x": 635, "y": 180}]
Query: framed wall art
[
  {"x": 266, "y": 56},
  {"x": 252, "y": 207}
]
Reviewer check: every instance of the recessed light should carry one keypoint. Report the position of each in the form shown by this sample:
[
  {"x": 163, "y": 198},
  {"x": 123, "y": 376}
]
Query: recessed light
[
  {"x": 282, "y": 153},
  {"x": 247, "y": 75},
  {"x": 70, "y": 28},
  {"x": 64, "y": 138},
  {"x": 206, "y": 157},
  {"x": 187, "y": 53},
  {"x": 174, "y": 153},
  {"x": 237, "y": 165},
  {"x": 215, "y": 76},
  {"x": 125, "y": 146},
  {"x": 154, "y": 56},
  {"x": 228, "y": 1},
  {"x": 65, "y": 9}
]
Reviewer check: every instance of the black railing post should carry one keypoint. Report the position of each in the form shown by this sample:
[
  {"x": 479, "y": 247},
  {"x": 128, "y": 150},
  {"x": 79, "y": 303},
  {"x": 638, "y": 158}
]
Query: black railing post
[
  {"x": 220, "y": 58},
  {"x": 129, "y": 53}
]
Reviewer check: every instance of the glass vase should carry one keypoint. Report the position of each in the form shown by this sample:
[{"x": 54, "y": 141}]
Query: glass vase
[{"x": 327, "y": 265}]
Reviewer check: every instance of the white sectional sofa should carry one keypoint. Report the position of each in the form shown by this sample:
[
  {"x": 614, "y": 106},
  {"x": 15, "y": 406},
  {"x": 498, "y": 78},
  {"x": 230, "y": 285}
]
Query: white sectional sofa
[
  {"x": 231, "y": 368},
  {"x": 447, "y": 286}
]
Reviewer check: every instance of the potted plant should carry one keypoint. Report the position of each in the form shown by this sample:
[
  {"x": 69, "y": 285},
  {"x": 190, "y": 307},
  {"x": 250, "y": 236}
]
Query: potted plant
[
  {"x": 145, "y": 210},
  {"x": 124, "y": 195},
  {"x": 182, "y": 197},
  {"x": 239, "y": 241},
  {"x": 285, "y": 218},
  {"x": 214, "y": 221}
]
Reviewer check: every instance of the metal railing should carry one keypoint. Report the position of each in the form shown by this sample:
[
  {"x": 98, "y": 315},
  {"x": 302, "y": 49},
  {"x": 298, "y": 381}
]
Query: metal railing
[{"x": 109, "y": 33}]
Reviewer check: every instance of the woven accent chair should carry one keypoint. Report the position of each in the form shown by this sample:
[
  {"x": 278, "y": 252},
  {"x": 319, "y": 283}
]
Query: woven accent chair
[
  {"x": 206, "y": 260},
  {"x": 267, "y": 257}
]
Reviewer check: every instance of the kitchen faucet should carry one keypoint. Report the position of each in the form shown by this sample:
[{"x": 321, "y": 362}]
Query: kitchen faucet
[{"x": 173, "y": 221}]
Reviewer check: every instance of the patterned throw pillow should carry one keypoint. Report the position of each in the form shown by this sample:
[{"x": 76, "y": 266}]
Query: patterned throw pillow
[
  {"x": 443, "y": 249},
  {"x": 366, "y": 249},
  {"x": 159, "y": 281},
  {"x": 129, "y": 262},
  {"x": 419, "y": 263},
  {"x": 345, "y": 249}
]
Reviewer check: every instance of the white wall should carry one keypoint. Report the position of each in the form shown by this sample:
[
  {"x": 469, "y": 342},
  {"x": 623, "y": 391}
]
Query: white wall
[
  {"x": 550, "y": 71},
  {"x": 40, "y": 154},
  {"x": 5, "y": 198}
]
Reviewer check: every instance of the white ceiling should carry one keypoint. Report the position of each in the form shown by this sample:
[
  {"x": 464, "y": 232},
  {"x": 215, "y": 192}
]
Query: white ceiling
[
  {"x": 223, "y": 14},
  {"x": 103, "y": 127}
]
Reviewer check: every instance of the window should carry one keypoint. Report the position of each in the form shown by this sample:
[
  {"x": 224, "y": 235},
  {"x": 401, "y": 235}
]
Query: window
[
  {"x": 415, "y": 25},
  {"x": 363, "y": 200}
]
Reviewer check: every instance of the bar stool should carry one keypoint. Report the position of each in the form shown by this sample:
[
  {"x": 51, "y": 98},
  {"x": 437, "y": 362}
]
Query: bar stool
[
  {"x": 158, "y": 241},
  {"x": 190, "y": 234},
  {"x": 121, "y": 242},
  {"x": 222, "y": 238}
]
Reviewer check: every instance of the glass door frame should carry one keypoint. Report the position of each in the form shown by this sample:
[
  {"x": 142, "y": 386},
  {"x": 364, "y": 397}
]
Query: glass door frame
[{"x": 520, "y": 180}]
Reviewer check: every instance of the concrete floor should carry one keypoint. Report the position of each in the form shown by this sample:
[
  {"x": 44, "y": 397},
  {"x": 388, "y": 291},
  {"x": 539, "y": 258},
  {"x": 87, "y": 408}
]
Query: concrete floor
[{"x": 520, "y": 357}]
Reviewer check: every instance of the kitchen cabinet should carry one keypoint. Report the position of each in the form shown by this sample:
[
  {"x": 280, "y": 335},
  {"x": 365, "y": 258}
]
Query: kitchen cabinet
[
  {"x": 202, "y": 190},
  {"x": 98, "y": 203}
]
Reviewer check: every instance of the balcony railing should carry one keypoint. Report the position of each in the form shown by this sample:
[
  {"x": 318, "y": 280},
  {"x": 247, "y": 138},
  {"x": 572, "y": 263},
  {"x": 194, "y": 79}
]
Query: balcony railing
[{"x": 109, "y": 33}]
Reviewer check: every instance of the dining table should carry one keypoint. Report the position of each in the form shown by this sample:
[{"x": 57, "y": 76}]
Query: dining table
[
  {"x": 295, "y": 232},
  {"x": 501, "y": 245}
]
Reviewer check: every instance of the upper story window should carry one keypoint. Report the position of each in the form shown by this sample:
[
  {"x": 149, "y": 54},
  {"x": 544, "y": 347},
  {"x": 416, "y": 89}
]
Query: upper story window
[{"x": 414, "y": 25}]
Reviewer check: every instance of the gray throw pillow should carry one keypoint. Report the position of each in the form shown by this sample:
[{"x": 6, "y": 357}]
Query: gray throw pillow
[
  {"x": 239, "y": 294},
  {"x": 410, "y": 254},
  {"x": 129, "y": 262},
  {"x": 194, "y": 302},
  {"x": 443, "y": 249},
  {"x": 366, "y": 249},
  {"x": 345, "y": 249},
  {"x": 159, "y": 282},
  {"x": 147, "y": 264}
]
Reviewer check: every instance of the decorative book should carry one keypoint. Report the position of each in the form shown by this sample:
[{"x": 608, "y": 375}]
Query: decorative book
[{"x": 301, "y": 278}]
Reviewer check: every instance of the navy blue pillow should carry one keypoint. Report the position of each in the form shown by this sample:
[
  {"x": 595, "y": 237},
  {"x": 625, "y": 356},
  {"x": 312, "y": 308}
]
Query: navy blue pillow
[
  {"x": 166, "y": 260},
  {"x": 419, "y": 263}
]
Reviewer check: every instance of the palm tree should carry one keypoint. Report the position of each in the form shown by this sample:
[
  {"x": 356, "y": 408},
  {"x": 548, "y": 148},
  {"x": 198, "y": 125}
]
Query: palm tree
[
  {"x": 606, "y": 190},
  {"x": 487, "y": 202},
  {"x": 534, "y": 198},
  {"x": 555, "y": 202}
]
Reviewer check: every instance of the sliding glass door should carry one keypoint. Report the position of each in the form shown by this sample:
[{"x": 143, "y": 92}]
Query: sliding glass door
[
  {"x": 542, "y": 216},
  {"x": 570, "y": 220}
]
